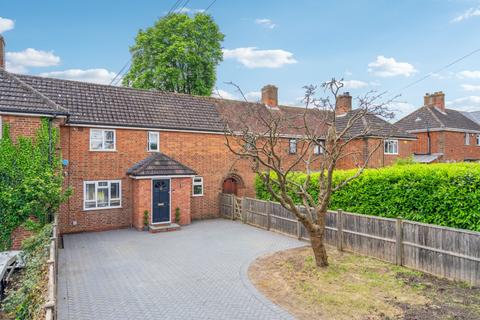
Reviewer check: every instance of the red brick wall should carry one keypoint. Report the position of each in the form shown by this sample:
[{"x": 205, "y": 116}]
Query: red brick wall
[
  {"x": 142, "y": 200},
  {"x": 181, "y": 195},
  {"x": 450, "y": 143},
  {"x": 25, "y": 126},
  {"x": 17, "y": 237},
  {"x": 356, "y": 151}
]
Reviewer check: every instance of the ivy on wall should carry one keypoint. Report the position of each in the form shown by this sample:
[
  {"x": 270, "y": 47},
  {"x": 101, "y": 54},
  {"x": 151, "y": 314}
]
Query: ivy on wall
[{"x": 30, "y": 180}]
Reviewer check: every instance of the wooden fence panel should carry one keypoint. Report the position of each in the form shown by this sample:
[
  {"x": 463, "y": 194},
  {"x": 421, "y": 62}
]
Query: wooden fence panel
[
  {"x": 226, "y": 205},
  {"x": 446, "y": 252},
  {"x": 369, "y": 235}
]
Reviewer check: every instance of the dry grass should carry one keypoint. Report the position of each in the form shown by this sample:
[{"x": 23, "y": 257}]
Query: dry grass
[{"x": 352, "y": 287}]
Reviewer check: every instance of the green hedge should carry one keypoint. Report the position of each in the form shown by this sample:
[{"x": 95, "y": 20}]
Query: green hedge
[{"x": 442, "y": 194}]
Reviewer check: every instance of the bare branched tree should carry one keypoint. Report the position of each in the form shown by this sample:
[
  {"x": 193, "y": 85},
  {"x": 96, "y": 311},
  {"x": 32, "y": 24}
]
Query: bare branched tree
[{"x": 261, "y": 135}]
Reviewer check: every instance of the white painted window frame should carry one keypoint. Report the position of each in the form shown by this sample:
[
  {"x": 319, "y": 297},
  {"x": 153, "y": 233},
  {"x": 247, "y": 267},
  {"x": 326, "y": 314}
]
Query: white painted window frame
[
  {"x": 197, "y": 184},
  {"x": 96, "y": 182},
  {"x": 295, "y": 143},
  {"x": 158, "y": 141},
  {"x": 478, "y": 139},
  {"x": 386, "y": 145},
  {"x": 319, "y": 147},
  {"x": 467, "y": 138},
  {"x": 103, "y": 149}
]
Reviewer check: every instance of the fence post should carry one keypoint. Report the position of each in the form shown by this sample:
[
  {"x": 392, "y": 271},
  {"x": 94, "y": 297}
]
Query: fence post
[
  {"x": 299, "y": 230},
  {"x": 243, "y": 210},
  {"x": 399, "y": 242},
  {"x": 339, "y": 230},
  {"x": 268, "y": 207},
  {"x": 232, "y": 212}
]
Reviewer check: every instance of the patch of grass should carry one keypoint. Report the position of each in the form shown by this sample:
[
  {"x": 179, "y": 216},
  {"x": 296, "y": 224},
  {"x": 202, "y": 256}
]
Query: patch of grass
[{"x": 352, "y": 287}]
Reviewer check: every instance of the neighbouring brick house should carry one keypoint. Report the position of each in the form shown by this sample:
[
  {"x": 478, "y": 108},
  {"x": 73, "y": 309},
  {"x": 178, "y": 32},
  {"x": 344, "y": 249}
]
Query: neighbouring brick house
[
  {"x": 443, "y": 135},
  {"x": 127, "y": 151}
]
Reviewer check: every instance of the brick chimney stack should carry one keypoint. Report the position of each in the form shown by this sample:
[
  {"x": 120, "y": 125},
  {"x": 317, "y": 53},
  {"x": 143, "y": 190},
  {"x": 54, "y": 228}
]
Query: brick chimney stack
[
  {"x": 2, "y": 52},
  {"x": 270, "y": 96},
  {"x": 436, "y": 99},
  {"x": 344, "y": 104}
]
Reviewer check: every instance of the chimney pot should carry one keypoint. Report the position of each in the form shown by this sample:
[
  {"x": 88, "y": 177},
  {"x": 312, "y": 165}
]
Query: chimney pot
[
  {"x": 270, "y": 96},
  {"x": 436, "y": 99},
  {"x": 343, "y": 104}
]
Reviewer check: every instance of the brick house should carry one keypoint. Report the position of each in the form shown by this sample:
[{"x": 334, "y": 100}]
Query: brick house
[
  {"x": 128, "y": 151},
  {"x": 443, "y": 135}
]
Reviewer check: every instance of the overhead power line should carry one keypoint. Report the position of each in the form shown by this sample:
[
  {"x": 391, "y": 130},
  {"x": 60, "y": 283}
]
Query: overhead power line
[{"x": 439, "y": 70}]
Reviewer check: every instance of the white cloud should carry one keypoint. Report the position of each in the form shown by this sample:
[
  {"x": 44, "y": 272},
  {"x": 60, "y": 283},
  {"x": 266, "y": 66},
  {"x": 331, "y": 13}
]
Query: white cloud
[
  {"x": 267, "y": 23},
  {"x": 252, "y": 57},
  {"x": 253, "y": 96},
  {"x": 223, "y": 94},
  {"x": 469, "y": 103},
  {"x": 354, "y": 84},
  {"x": 6, "y": 24},
  {"x": 470, "y": 13},
  {"x": 101, "y": 76},
  {"x": 389, "y": 67},
  {"x": 469, "y": 74},
  {"x": 19, "y": 61},
  {"x": 190, "y": 10},
  {"x": 470, "y": 87},
  {"x": 401, "y": 109}
]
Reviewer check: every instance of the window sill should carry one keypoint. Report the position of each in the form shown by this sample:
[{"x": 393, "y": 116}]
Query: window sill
[
  {"x": 197, "y": 195},
  {"x": 91, "y": 150},
  {"x": 391, "y": 154},
  {"x": 104, "y": 208}
]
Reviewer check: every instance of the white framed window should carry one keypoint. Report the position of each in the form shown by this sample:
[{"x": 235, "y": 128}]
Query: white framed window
[
  {"x": 478, "y": 139},
  {"x": 467, "y": 138},
  {"x": 102, "y": 194},
  {"x": 102, "y": 140},
  {"x": 319, "y": 147},
  {"x": 197, "y": 189},
  {"x": 153, "y": 141},
  {"x": 390, "y": 147},
  {"x": 292, "y": 146}
]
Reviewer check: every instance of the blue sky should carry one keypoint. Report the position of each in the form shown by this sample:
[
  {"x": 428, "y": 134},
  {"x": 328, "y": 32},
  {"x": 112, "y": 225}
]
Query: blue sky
[{"x": 373, "y": 45}]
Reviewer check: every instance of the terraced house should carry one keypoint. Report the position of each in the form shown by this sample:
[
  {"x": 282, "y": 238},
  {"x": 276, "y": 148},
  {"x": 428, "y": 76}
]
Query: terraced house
[
  {"x": 443, "y": 135},
  {"x": 127, "y": 151}
]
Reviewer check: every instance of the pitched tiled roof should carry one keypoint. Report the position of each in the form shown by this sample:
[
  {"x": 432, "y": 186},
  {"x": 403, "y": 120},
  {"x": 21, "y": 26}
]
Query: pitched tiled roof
[
  {"x": 370, "y": 125},
  {"x": 18, "y": 96},
  {"x": 95, "y": 104},
  {"x": 238, "y": 115},
  {"x": 90, "y": 103},
  {"x": 432, "y": 118},
  {"x": 159, "y": 164}
]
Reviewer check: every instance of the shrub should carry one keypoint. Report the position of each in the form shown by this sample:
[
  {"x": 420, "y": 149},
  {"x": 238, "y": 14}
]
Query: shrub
[
  {"x": 177, "y": 215},
  {"x": 442, "y": 194},
  {"x": 26, "y": 302}
]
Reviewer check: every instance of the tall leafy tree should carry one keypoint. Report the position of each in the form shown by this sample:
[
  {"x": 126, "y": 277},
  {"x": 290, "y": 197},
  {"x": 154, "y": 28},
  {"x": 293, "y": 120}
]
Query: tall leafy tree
[{"x": 178, "y": 54}]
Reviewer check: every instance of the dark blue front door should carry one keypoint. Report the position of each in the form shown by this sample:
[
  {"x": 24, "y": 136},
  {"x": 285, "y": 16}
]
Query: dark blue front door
[{"x": 161, "y": 201}]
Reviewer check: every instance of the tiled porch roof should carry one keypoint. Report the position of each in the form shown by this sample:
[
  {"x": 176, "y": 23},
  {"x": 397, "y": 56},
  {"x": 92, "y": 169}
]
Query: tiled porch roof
[{"x": 159, "y": 164}]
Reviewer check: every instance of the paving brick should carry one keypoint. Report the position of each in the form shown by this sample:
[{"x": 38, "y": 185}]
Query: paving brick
[{"x": 199, "y": 272}]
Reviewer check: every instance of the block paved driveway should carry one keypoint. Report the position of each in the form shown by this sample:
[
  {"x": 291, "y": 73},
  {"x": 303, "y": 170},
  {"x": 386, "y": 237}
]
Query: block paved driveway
[{"x": 199, "y": 272}]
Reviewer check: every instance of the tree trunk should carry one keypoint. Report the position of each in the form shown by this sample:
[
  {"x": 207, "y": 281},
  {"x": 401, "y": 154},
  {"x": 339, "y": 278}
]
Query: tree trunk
[{"x": 318, "y": 247}]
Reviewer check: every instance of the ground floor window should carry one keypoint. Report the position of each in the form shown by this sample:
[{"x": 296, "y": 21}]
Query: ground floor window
[
  {"x": 198, "y": 186},
  {"x": 102, "y": 194},
  {"x": 390, "y": 147}
]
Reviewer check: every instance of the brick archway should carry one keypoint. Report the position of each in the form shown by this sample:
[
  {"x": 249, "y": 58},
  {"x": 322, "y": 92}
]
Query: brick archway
[{"x": 233, "y": 184}]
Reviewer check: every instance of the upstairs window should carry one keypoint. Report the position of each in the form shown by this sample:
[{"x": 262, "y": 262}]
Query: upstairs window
[
  {"x": 102, "y": 195},
  {"x": 319, "y": 147},
  {"x": 478, "y": 139},
  {"x": 390, "y": 147},
  {"x": 292, "y": 146},
  {"x": 153, "y": 141},
  {"x": 197, "y": 186},
  {"x": 467, "y": 139},
  {"x": 102, "y": 140}
]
